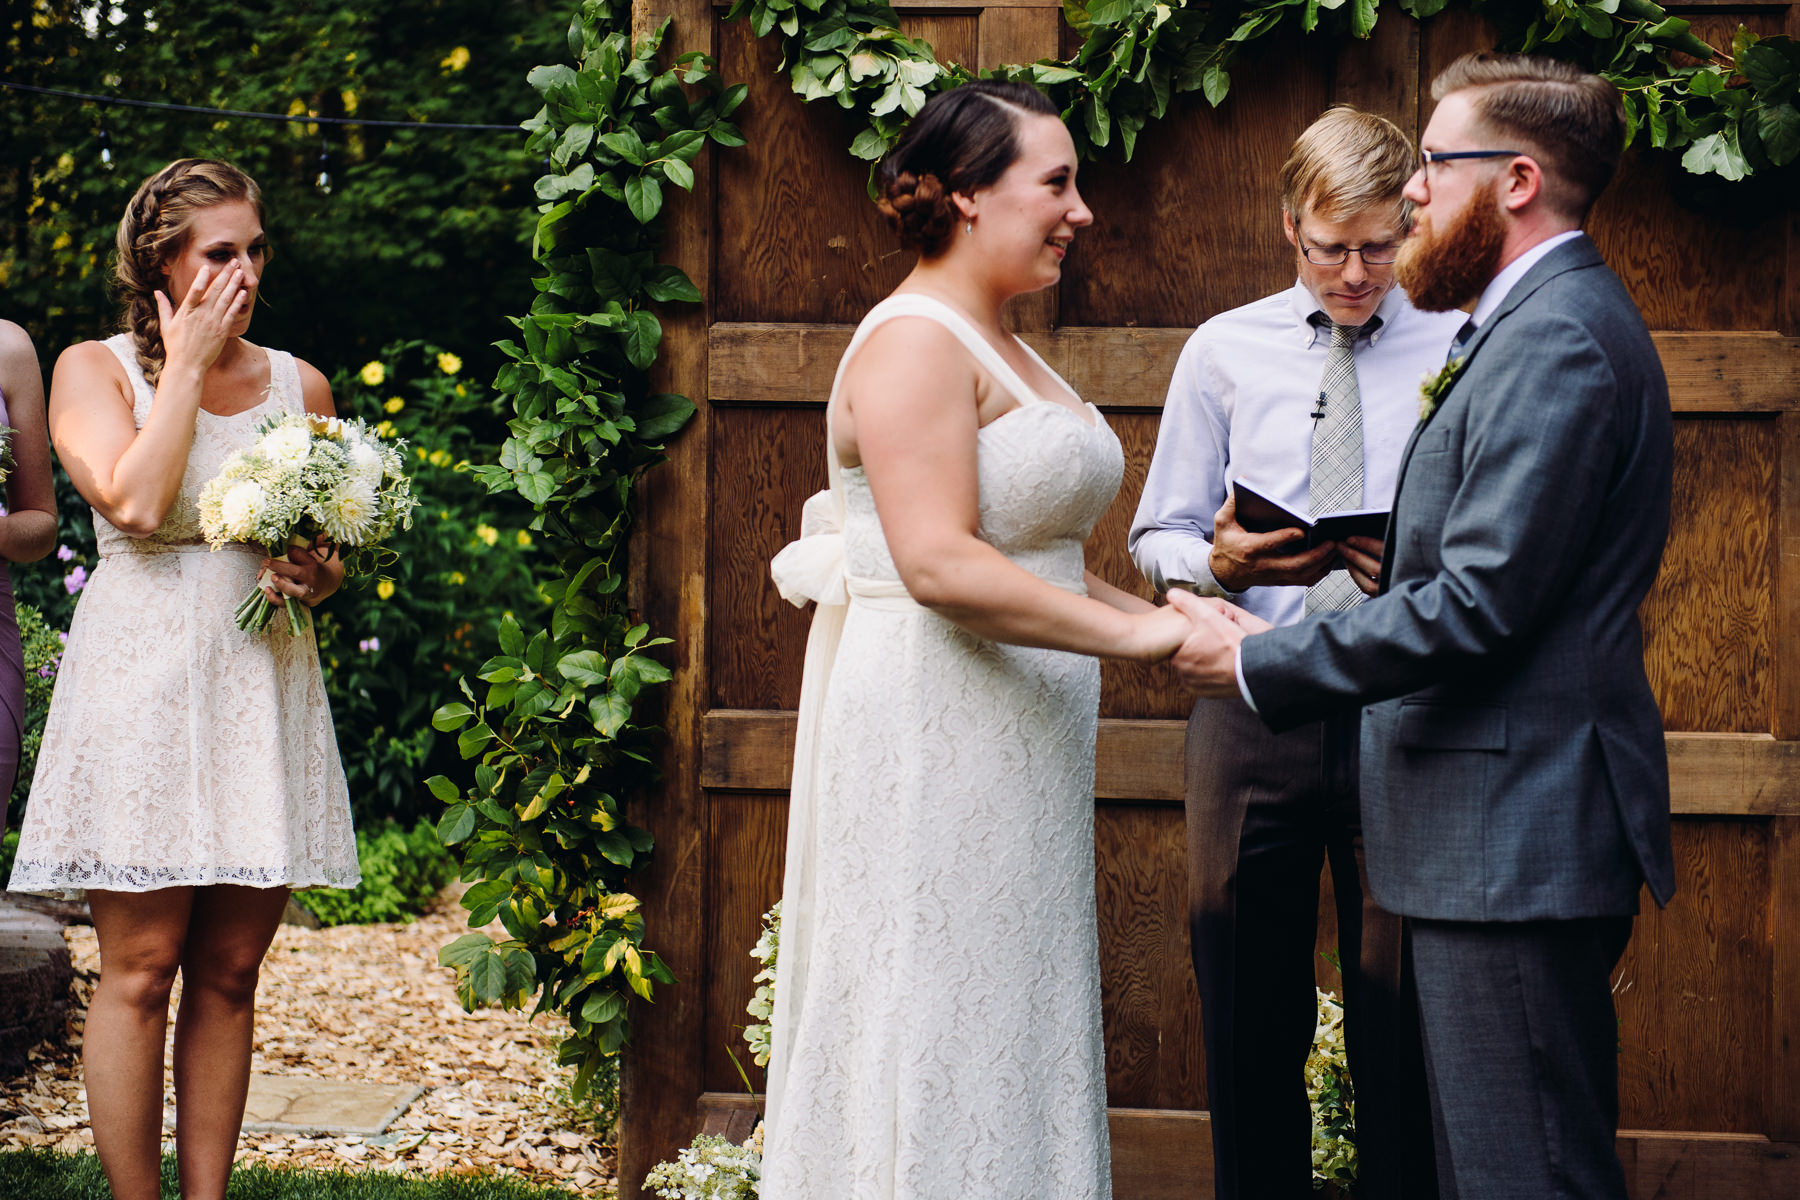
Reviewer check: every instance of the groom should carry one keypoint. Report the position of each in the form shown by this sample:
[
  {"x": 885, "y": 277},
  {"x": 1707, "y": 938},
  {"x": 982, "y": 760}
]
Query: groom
[{"x": 1514, "y": 781}]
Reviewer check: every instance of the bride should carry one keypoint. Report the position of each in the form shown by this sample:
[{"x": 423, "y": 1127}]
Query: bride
[{"x": 937, "y": 1024}]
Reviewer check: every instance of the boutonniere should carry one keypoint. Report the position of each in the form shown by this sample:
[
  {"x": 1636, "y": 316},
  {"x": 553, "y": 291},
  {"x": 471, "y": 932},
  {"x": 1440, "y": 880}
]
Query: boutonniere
[{"x": 1435, "y": 384}]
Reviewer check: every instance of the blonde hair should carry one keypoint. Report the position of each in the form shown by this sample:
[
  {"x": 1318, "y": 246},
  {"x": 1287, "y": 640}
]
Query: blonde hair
[
  {"x": 1348, "y": 161},
  {"x": 155, "y": 230}
]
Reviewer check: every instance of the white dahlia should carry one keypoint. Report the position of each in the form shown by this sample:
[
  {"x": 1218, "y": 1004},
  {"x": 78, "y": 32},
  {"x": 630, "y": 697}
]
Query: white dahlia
[
  {"x": 348, "y": 510},
  {"x": 241, "y": 508},
  {"x": 287, "y": 445}
]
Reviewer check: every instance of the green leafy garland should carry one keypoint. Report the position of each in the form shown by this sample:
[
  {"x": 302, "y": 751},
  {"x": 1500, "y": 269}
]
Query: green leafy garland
[
  {"x": 1734, "y": 114},
  {"x": 557, "y": 735}
]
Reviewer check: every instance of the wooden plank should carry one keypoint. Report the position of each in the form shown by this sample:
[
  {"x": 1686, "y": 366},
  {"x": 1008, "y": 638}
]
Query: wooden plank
[
  {"x": 1381, "y": 75},
  {"x": 1712, "y": 774},
  {"x": 662, "y": 1067},
  {"x": 1691, "y": 1166},
  {"x": 1784, "y": 721},
  {"x": 1782, "y": 1105},
  {"x": 1709, "y": 620},
  {"x": 1125, "y": 368},
  {"x": 746, "y": 847},
  {"x": 1160, "y": 1154},
  {"x": 1022, "y": 34}
]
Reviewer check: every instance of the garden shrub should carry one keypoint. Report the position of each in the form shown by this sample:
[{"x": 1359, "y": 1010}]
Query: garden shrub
[
  {"x": 43, "y": 650},
  {"x": 402, "y": 870}
]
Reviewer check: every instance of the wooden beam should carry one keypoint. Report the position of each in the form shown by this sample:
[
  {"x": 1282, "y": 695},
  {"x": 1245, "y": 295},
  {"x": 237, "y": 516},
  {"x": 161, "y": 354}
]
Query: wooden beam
[
  {"x": 1782, "y": 1102},
  {"x": 1711, "y": 774},
  {"x": 1123, "y": 368},
  {"x": 1163, "y": 1154}
]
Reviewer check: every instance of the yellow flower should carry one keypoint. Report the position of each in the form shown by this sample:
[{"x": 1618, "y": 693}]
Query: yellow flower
[
  {"x": 394, "y": 404},
  {"x": 487, "y": 533},
  {"x": 385, "y": 589},
  {"x": 524, "y": 538},
  {"x": 385, "y": 429},
  {"x": 461, "y": 390},
  {"x": 349, "y": 99},
  {"x": 456, "y": 60},
  {"x": 373, "y": 374},
  {"x": 458, "y": 578},
  {"x": 448, "y": 363},
  {"x": 420, "y": 451},
  {"x": 440, "y": 458},
  {"x": 62, "y": 241}
]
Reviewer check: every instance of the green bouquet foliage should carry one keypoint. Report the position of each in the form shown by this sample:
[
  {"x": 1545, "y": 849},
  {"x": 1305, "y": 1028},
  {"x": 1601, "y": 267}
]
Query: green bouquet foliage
[{"x": 556, "y": 728}]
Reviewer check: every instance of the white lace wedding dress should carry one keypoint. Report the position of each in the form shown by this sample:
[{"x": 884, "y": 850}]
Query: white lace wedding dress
[
  {"x": 180, "y": 750},
  {"x": 937, "y": 1032}
]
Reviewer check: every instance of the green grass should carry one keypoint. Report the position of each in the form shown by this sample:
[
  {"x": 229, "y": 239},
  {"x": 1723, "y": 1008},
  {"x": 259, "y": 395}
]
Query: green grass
[{"x": 47, "y": 1175}]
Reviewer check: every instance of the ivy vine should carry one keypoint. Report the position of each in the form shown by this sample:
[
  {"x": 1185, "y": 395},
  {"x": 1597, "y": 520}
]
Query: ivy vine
[
  {"x": 555, "y": 726},
  {"x": 1732, "y": 113}
]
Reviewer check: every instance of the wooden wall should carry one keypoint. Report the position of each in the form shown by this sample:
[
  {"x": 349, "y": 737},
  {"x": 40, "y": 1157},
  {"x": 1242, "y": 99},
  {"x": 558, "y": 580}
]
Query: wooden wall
[{"x": 790, "y": 253}]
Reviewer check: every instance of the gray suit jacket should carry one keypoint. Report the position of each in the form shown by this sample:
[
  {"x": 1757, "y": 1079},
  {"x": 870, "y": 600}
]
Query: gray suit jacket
[{"x": 1513, "y": 765}]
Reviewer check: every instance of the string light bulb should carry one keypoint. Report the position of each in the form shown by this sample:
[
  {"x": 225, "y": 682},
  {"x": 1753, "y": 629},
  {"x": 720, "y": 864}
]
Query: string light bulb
[
  {"x": 323, "y": 180},
  {"x": 105, "y": 139}
]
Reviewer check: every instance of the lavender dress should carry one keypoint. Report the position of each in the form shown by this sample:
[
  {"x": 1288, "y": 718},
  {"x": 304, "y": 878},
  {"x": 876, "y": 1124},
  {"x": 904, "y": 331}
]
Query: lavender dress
[{"x": 12, "y": 678}]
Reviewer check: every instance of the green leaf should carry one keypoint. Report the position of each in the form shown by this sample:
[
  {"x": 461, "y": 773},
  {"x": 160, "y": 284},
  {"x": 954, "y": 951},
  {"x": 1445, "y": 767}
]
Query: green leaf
[
  {"x": 442, "y": 788},
  {"x": 602, "y": 1006},
  {"x": 512, "y": 637},
  {"x": 450, "y": 716},
  {"x": 661, "y": 415},
  {"x": 643, "y": 332},
  {"x": 1779, "y": 129},
  {"x": 643, "y": 196},
  {"x": 668, "y": 284},
  {"x": 609, "y": 713},
  {"x": 457, "y": 823},
  {"x": 678, "y": 173},
  {"x": 1215, "y": 84},
  {"x": 1770, "y": 72},
  {"x": 470, "y": 741},
  {"x": 1362, "y": 18},
  {"x": 1716, "y": 154},
  {"x": 586, "y": 667},
  {"x": 465, "y": 950}
]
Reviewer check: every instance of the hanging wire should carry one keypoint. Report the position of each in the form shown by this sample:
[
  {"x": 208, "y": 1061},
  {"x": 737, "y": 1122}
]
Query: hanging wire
[{"x": 291, "y": 119}]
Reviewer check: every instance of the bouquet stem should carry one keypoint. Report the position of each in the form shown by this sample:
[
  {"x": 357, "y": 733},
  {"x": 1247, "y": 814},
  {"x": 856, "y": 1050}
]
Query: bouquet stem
[{"x": 254, "y": 614}]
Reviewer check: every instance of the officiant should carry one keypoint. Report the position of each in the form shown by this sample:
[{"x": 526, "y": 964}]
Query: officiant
[{"x": 1310, "y": 395}]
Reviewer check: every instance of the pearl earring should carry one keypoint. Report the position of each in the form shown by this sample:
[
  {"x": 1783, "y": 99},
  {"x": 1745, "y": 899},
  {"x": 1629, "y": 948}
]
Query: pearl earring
[{"x": 968, "y": 227}]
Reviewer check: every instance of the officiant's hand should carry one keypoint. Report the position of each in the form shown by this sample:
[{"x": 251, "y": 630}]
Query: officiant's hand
[
  {"x": 1207, "y": 661},
  {"x": 1242, "y": 560},
  {"x": 1362, "y": 555}
]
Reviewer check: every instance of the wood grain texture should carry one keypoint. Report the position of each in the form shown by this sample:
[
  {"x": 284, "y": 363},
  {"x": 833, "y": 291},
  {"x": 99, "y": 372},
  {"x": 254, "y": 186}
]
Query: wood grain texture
[
  {"x": 746, "y": 844},
  {"x": 1160, "y": 1155},
  {"x": 1675, "y": 1166},
  {"x": 1127, "y": 368},
  {"x": 1381, "y": 74},
  {"x": 661, "y": 1070},
  {"x": 1141, "y": 761},
  {"x": 1193, "y": 226},
  {"x": 1707, "y": 621},
  {"x": 1782, "y": 1103},
  {"x": 1785, "y": 719},
  {"x": 766, "y": 462},
  {"x": 1692, "y": 991},
  {"x": 1149, "y": 1002}
]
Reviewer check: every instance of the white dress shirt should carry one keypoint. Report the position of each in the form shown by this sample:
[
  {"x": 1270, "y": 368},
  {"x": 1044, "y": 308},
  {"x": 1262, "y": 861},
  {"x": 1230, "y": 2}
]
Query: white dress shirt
[{"x": 1240, "y": 406}]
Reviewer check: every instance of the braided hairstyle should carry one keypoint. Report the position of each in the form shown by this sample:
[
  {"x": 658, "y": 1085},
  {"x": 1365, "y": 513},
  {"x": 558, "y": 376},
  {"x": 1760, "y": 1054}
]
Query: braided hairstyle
[
  {"x": 155, "y": 230},
  {"x": 963, "y": 139}
]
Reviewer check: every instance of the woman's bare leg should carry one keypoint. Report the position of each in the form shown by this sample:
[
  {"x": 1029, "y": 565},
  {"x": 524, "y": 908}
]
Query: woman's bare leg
[
  {"x": 141, "y": 936},
  {"x": 228, "y": 934}
]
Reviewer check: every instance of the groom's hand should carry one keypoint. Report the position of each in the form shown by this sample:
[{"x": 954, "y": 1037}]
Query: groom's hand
[
  {"x": 1362, "y": 556},
  {"x": 1242, "y": 560},
  {"x": 1207, "y": 661}
]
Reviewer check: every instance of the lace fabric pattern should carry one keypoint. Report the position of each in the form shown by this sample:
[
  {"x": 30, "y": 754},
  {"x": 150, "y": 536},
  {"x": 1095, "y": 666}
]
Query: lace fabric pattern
[
  {"x": 947, "y": 1043},
  {"x": 180, "y": 750}
]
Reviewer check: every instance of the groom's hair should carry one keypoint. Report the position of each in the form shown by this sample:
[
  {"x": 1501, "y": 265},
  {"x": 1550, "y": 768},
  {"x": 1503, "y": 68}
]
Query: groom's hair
[
  {"x": 1571, "y": 122},
  {"x": 1349, "y": 162}
]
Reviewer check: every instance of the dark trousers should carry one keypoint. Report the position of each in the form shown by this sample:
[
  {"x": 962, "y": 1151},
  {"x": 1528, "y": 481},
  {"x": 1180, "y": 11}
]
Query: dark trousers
[
  {"x": 1521, "y": 1053},
  {"x": 1265, "y": 812}
]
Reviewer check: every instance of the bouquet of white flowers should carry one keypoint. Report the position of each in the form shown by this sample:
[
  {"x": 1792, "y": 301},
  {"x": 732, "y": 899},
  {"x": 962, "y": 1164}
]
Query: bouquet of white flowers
[{"x": 306, "y": 476}]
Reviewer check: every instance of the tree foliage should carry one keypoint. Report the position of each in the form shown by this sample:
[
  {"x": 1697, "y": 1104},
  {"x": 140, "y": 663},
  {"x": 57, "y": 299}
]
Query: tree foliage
[{"x": 423, "y": 232}]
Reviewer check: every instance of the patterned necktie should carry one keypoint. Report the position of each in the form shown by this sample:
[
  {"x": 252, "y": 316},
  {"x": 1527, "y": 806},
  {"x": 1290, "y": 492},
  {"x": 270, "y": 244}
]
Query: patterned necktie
[
  {"x": 1336, "y": 479},
  {"x": 1460, "y": 343}
]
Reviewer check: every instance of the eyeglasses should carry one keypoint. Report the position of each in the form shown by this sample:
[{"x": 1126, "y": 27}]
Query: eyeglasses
[
  {"x": 1376, "y": 254},
  {"x": 1427, "y": 157}
]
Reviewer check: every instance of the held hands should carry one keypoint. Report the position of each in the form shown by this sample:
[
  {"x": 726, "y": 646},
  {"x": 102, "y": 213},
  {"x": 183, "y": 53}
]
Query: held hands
[
  {"x": 308, "y": 573},
  {"x": 195, "y": 334},
  {"x": 1207, "y": 660},
  {"x": 1242, "y": 560}
]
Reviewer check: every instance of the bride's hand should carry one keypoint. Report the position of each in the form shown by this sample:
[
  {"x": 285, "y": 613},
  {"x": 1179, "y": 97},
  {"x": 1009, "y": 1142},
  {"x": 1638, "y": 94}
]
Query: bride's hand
[
  {"x": 1207, "y": 660},
  {"x": 1160, "y": 632}
]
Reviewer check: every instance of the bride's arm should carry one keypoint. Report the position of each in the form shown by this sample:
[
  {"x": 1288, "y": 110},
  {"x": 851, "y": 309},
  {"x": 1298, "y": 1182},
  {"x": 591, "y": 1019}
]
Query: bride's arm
[{"x": 910, "y": 415}]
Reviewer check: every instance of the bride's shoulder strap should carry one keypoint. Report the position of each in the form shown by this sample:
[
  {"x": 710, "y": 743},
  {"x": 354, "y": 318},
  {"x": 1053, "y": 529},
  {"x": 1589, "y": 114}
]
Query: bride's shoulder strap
[{"x": 913, "y": 304}]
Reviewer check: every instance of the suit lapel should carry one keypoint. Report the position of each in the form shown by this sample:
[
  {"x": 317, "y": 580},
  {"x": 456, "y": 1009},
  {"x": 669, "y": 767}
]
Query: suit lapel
[{"x": 1573, "y": 255}]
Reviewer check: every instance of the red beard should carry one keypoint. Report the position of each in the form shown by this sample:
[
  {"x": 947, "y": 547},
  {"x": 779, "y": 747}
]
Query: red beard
[{"x": 1442, "y": 271}]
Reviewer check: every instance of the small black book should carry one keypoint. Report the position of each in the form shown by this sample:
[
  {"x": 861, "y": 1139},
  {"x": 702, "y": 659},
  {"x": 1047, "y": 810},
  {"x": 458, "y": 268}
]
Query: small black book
[{"x": 1259, "y": 514}]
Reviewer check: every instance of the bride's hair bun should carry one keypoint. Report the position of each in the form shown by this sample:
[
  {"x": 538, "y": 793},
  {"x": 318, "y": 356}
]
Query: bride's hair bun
[
  {"x": 962, "y": 140},
  {"x": 919, "y": 210}
]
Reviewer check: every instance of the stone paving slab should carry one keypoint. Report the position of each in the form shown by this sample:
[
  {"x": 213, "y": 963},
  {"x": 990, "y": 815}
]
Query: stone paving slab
[
  {"x": 329, "y": 1107},
  {"x": 34, "y": 983}
]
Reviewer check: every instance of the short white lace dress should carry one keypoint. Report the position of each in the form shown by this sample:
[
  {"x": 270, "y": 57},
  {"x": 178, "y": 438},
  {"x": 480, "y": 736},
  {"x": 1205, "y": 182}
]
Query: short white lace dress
[
  {"x": 179, "y": 750},
  {"x": 937, "y": 1033}
]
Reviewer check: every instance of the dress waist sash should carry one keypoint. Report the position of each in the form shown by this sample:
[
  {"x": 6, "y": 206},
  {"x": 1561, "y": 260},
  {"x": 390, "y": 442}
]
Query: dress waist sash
[
  {"x": 890, "y": 595},
  {"x": 135, "y": 546}
]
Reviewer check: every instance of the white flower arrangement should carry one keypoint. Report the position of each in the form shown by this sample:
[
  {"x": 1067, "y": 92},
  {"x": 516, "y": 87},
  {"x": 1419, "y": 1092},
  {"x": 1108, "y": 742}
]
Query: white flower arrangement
[
  {"x": 306, "y": 476},
  {"x": 1333, "y": 1099},
  {"x": 711, "y": 1169},
  {"x": 762, "y": 1005}
]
